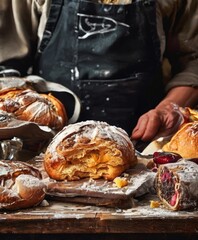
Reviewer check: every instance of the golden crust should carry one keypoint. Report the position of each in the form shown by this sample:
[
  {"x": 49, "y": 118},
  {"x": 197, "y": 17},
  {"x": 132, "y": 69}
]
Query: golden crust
[
  {"x": 28, "y": 105},
  {"x": 21, "y": 185},
  {"x": 184, "y": 141},
  {"x": 89, "y": 149}
]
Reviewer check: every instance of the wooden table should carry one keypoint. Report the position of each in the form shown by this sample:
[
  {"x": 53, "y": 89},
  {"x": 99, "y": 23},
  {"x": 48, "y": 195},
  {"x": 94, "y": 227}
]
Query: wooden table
[
  {"x": 92, "y": 222},
  {"x": 63, "y": 220}
]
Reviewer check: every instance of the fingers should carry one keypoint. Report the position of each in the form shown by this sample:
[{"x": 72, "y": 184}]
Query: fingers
[
  {"x": 157, "y": 123},
  {"x": 147, "y": 127}
]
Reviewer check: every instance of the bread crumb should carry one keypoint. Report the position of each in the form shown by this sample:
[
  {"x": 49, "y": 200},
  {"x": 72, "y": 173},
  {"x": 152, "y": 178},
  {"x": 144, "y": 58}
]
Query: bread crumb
[
  {"x": 154, "y": 204},
  {"x": 120, "y": 182}
]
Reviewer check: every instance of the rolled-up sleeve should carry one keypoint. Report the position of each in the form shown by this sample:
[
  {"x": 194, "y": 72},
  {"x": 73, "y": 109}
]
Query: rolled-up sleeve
[{"x": 180, "y": 27}]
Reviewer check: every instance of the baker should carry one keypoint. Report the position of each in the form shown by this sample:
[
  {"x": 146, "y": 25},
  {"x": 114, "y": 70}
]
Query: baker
[{"x": 111, "y": 54}]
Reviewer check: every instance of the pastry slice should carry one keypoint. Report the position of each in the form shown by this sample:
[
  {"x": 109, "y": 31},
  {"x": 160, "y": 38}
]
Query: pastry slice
[{"x": 177, "y": 185}]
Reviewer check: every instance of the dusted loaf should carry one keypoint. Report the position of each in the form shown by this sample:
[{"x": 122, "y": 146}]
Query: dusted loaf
[
  {"x": 20, "y": 185},
  {"x": 89, "y": 149},
  {"x": 184, "y": 141},
  {"x": 28, "y": 105}
]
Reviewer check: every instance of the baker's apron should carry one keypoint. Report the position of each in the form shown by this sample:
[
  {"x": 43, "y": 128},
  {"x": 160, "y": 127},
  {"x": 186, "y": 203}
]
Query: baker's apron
[{"x": 109, "y": 55}]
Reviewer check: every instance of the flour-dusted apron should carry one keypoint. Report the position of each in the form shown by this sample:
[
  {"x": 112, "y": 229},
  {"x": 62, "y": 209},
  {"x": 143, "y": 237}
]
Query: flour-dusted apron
[{"x": 109, "y": 55}]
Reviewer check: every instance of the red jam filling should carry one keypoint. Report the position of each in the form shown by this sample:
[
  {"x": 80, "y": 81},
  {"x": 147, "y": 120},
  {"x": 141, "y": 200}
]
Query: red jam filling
[{"x": 173, "y": 200}]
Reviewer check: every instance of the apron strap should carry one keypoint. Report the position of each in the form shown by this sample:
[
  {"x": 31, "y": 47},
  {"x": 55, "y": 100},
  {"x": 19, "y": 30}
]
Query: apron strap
[{"x": 53, "y": 17}]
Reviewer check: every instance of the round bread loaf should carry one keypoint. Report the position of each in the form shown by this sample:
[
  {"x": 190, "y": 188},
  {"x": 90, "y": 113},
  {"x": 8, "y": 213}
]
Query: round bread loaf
[
  {"x": 28, "y": 105},
  {"x": 20, "y": 185},
  {"x": 184, "y": 141},
  {"x": 89, "y": 149}
]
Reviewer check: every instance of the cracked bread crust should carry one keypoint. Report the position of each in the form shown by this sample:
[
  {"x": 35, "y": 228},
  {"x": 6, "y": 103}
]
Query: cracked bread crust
[
  {"x": 28, "y": 105},
  {"x": 90, "y": 149},
  {"x": 184, "y": 141}
]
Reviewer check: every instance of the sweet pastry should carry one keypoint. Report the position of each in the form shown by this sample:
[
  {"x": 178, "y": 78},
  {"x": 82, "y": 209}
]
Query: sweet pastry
[
  {"x": 20, "y": 185},
  {"x": 184, "y": 141},
  {"x": 177, "y": 185},
  {"x": 89, "y": 149},
  {"x": 28, "y": 105}
]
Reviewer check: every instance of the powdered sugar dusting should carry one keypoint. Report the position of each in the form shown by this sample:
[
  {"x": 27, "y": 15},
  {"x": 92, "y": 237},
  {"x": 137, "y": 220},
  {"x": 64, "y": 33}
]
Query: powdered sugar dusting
[
  {"x": 91, "y": 129},
  {"x": 29, "y": 181},
  {"x": 193, "y": 129},
  {"x": 188, "y": 174}
]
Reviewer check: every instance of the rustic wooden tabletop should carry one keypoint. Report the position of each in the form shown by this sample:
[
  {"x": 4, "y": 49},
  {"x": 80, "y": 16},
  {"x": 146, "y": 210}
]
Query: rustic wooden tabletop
[
  {"x": 69, "y": 218},
  {"x": 74, "y": 221}
]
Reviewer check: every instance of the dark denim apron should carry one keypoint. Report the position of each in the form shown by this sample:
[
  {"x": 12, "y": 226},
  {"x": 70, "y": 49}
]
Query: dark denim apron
[{"x": 109, "y": 55}]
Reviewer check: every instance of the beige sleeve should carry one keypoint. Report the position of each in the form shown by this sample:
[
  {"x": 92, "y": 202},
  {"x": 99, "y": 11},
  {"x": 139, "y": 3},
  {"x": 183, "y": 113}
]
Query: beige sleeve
[
  {"x": 21, "y": 27},
  {"x": 180, "y": 43}
]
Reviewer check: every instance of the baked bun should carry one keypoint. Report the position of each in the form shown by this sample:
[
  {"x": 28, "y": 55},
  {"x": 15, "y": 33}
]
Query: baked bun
[
  {"x": 20, "y": 185},
  {"x": 89, "y": 149},
  {"x": 28, "y": 105},
  {"x": 184, "y": 141}
]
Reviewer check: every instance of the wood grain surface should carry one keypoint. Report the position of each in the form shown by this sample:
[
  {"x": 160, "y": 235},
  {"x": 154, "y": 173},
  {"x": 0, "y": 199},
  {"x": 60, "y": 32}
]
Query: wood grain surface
[
  {"x": 58, "y": 218},
  {"x": 70, "y": 218}
]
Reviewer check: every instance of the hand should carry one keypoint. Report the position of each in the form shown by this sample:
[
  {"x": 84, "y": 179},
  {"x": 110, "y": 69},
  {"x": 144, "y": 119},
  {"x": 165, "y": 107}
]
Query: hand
[{"x": 162, "y": 121}]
